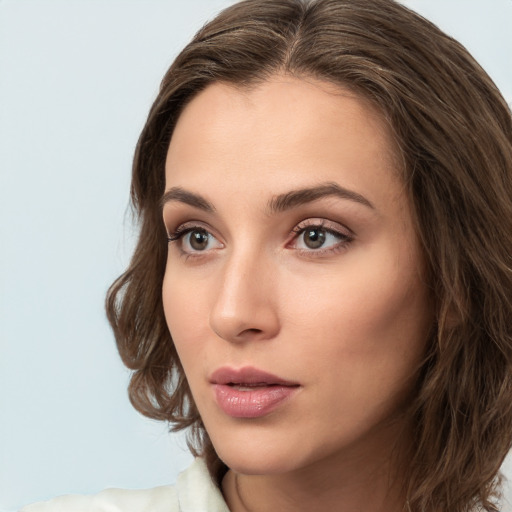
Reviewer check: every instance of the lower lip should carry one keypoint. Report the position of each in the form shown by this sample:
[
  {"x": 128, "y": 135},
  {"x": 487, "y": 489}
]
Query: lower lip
[{"x": 252, "y": 403}]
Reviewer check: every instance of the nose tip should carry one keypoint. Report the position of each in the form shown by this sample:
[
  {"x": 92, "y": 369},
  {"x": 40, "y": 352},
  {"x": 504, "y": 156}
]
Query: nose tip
[
  {"x": 244, "y": 323},
  {"x": 244, "y": 308},
  {"x": 233, "y": 330}
]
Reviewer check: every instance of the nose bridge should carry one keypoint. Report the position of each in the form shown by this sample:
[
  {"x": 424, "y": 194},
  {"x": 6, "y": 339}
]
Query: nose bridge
[{"x": 244, "y": 307}]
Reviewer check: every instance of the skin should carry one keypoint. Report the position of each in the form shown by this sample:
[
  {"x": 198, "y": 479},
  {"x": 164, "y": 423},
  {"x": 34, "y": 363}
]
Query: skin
[{"x": 348, "y": 321}]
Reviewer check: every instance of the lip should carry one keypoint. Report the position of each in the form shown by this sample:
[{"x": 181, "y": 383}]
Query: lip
[{"x": 249, "y": 392}]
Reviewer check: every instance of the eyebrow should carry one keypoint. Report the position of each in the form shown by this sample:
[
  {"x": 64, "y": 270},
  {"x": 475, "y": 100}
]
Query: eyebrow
[
  {"x": 184, "y": 196},
  {"x": 302, "y": 196},
  {"x": 280, "y": 203}
]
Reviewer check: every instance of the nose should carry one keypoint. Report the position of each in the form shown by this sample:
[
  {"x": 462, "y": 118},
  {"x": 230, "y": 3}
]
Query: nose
[{"x": 244, "y": 306}]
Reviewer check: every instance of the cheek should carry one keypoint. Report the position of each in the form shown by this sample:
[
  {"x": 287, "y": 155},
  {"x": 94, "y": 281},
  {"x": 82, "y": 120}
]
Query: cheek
[
  {"x": 366, "y": 339},
  {"x": 364, "y": 312},
  {"x": 184, "y": 310}
]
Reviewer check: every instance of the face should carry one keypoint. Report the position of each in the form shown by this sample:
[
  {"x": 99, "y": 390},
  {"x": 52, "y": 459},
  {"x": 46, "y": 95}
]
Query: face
[{"x": 294, "y": 287}]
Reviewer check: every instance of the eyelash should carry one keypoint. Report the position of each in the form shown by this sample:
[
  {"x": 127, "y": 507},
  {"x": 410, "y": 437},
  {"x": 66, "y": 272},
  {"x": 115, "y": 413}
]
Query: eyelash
[
  {"x": 181, "y": 232},
  {"x": 345, "y": 238}
]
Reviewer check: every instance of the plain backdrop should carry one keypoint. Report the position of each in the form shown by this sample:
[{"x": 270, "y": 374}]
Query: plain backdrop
[{"x": 77, "y": 78}]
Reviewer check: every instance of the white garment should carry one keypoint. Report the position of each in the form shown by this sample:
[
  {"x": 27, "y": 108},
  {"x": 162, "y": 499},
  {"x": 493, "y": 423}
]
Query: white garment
[{"x": 193, "y": 492}]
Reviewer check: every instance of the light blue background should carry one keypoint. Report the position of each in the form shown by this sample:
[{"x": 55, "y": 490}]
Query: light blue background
[{"x": 77, "y": 78}]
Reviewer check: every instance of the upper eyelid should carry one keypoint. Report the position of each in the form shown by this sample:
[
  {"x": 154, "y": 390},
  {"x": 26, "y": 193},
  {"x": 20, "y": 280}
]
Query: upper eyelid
[
  {"x": 326, "y": 224},
  {"x": 179, "y": 235},
  {"x": 189, "y": 224}
]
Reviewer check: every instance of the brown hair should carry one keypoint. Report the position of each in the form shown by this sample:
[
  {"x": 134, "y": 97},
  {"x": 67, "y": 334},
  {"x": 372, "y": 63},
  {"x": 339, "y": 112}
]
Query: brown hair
[{"x": 454, "y": 134}]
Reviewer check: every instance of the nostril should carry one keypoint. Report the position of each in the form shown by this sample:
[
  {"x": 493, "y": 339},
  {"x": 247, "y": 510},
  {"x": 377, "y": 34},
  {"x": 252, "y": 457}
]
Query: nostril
[
  {"x": 237, "y": 320},
  {"x": 251, "y": 331}
]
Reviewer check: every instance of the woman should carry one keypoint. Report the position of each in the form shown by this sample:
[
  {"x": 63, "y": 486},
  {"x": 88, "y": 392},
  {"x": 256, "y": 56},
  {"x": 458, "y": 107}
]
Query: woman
[{"x": 322, "y": 286}]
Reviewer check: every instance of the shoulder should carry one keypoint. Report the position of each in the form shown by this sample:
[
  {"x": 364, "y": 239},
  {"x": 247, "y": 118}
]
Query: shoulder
[
  {"x": 158, "y": 499},
  {"x": 193, "y": 491}
]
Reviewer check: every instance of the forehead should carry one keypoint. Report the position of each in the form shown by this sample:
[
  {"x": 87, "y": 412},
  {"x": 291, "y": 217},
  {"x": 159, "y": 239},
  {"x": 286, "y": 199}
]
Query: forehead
[
  {"x": 283, "y": 130},
  {"x": 297, "y": 103}
]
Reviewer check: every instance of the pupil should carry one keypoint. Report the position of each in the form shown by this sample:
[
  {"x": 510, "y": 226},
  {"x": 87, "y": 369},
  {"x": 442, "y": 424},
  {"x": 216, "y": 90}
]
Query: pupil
[
  {"x": 198, "y": 240},
  {"x": 314, "y": 238}
]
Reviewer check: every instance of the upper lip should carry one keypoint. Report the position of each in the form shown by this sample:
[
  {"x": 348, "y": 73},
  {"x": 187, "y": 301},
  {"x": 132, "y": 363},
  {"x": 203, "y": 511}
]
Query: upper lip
[{"x": 247, "y": 375}]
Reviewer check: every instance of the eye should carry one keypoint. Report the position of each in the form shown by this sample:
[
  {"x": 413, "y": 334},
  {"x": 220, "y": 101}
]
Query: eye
[
  {"x": 320, "y": 236},
  {"x": 194, "y": 239},
  {"x": 314, "y": 237},
  {"x": 197, "y": 239}
]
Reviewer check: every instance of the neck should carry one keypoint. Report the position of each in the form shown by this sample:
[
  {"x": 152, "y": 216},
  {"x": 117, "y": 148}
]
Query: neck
[{"x": 352, "y": 481}]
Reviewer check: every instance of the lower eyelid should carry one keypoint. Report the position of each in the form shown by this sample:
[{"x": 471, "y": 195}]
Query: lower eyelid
[
  {"x": 179, "y": 239},
  {"x": 344, "y": 236},
  {"x": 340, "y": 244}
]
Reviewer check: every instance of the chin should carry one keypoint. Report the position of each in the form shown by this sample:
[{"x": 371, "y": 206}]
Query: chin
[
  {"x": 257, "y": 464},
  {"x": 268, "y": 453},
  {"x": 255, "y": 455}
]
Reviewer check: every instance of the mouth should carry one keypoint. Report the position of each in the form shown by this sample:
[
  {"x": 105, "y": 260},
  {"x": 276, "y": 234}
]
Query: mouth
[
  {"x": 249, "y": 387},
  {"x": 248, "y": 377},
  {"x": 249, "y": 392}
]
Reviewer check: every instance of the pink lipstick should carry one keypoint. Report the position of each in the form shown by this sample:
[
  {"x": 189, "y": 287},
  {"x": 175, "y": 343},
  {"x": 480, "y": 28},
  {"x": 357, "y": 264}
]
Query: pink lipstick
[{"x": 249, "y": 392}]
